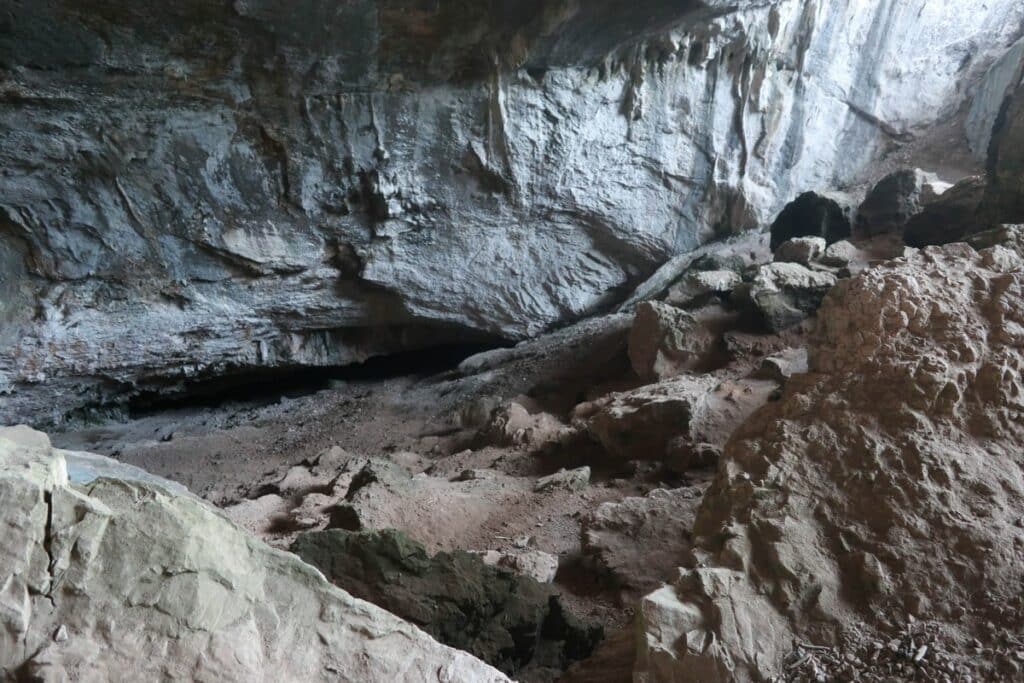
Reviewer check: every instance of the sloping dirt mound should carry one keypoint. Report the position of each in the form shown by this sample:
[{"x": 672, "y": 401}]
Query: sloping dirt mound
[{"x": 887, "y": 486}]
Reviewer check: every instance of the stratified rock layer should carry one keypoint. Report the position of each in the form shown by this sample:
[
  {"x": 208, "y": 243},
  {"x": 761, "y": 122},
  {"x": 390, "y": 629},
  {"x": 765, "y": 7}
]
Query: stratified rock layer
[
  {"x": 885, "y": 484},
  {"x": 200, "y": 187},
  {"x": 127, "y": 580}
]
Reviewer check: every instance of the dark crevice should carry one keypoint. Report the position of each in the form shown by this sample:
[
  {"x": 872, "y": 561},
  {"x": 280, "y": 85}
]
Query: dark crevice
[{"x": 263, "y": 386}]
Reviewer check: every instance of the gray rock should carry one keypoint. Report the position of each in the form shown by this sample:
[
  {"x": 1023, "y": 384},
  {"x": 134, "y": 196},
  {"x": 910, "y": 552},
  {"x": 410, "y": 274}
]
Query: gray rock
[
  {"x": 784, "y": 294},
  {"x": 802, "y": 250},
  {"x": 895, "y": 200},
  {"x": 783, "y": 365},
  {"x": 125, "y": 573},
  {"x": 698, "y": 287},
  {"x": 1006, "y": 160},
  {"x": 535, "y": 564},
  {"x": 256, "y": 184},
  {"x": 958, "y": 213},
  {"x": 570, "y": 480},
  {"x": 840, "y": 255},
  {"x": 666, "y": 341}
]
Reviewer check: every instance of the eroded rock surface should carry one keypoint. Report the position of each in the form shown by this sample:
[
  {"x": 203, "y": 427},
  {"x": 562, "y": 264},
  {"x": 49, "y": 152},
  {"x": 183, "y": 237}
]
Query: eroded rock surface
[
  {"x": 119, "y": 579},
  {"x": 885, "y": 485},
  {"x": 196, "y": 188}
]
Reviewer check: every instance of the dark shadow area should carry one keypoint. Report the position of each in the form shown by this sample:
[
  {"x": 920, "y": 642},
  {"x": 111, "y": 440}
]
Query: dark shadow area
[{"x": 262, "y": 386}]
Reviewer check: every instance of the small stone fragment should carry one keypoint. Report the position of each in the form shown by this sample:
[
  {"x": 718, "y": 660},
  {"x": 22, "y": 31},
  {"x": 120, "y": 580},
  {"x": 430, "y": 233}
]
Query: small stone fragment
[{"x": 572, "y": 480}]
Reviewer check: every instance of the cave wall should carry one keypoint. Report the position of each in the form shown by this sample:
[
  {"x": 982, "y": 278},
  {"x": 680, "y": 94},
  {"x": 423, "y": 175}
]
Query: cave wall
[{"x": 195, "y": 187}]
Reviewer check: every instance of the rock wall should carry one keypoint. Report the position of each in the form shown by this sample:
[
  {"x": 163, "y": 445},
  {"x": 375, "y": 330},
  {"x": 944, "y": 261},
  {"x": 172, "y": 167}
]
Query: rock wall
[
  {"x": 208, "y": 186},
  {"x": 124, "y": 579}
]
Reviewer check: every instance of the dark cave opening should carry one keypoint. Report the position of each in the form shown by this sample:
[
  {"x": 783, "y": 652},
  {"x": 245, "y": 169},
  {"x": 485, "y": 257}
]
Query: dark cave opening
[{"x": 263, "y": 386}]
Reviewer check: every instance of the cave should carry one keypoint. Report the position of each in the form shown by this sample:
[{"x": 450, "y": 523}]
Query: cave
[{"x": 436, "y": 340}]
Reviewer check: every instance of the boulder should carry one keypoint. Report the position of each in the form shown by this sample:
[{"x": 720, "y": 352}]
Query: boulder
[
  {"x": 511, "y": 621},
  {"x": 641, "y": 542},
  {"x": 958, "y": 213},
  {"x": 896, "y": 199},
  {"x": 685, "y": 411},
  {"x": 535, "y": 564},
  {"x": 784, "y": 294},
  {"x": 783, "y": 365},
  {"x": 126, "y": 579},
  {"x": 802, "y": 250},
  {"x": 666, "y": 341},
  {"x": 840, "y": 254},
  {"x": 813, "y": 215},
  {"x": 699, "y": 287}
]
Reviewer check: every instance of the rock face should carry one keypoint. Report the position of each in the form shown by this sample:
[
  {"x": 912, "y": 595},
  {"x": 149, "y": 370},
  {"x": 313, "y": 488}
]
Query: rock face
[
  {"x": 201, "y": 187},
  {"x": 511, "y": 621},
  {"x": 1006, "y": 160},
  {"x": 127, "y": 580},
  {"x": 884, "y": 485},
  {"x": 895, "y": 200}
]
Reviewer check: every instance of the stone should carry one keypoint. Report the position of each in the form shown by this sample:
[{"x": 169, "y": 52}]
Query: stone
[
  {"x": 991, "y": 94},
  {"x": 829, "y": 513},
  {"x": 812, "y": 215},
  {"x": 641, "y": 542},
  {"x": 666, "y": 341},
  {"x": 640, "y": 424},
  {"x": 696, "y": 288},
  {"x": 784, "y": 294},
  {"x": 896, "y": 199},
  {"x": 781, "y": 366},
  {"x": 114, "y": 580},
  {"x": 840, "y": 254},
  {"x": 958, "y": 213},
  {"x": 514, "y": 425},
  {"x": 508, "y": 620},
  {"x": 569, "y": 480},
  {"x": 802, "y": 250},
  {"x": 535, "y": 564},
  {"x": 303, "y": 188}
]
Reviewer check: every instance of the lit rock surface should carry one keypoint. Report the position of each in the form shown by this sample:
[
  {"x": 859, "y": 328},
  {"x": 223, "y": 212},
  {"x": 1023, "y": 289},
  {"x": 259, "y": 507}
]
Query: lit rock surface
[
  {"x": 884, "y": 485},
  {"x": 195, "y": 188},
  {"x": 126, "y": 580}
]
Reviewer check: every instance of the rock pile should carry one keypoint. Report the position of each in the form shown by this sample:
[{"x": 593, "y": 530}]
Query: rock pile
[{"x": 884, "y": 485}]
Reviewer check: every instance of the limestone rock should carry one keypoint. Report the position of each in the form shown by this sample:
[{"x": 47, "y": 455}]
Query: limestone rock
[
  {"x": 895, "y": 200},
  {"x": 640, "y": 542},
  {"x": 538, "y": 565},
  {"x": 300, "y": 187},
  {"x": 959, "y": 212},
  {"x": 992, "y": 92},
  {"x": 784, "y": 294},
  {"x": 570, "y": 480},
  {"x": 812, "y": 215},
  {"x": 802, "y": 250},
  {"x": 783, "y": 365},
  {"x": 511, "y": 621},
  {"x": 840, "y": 254},
  {"x": 640, "y": 424},
  {"x": 666, "y": 341},
  {"x": 700, "y": 286},
  {"x": 141, "y": 583},
  {"x": 513, "y": 424},
  {"x": 1006, "y": 159},
  {"x": 831, "y": 511}
]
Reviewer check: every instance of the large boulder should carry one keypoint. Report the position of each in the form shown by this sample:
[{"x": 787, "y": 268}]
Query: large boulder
[
  {"x": 666, "y": 341},
  {"x": 782, "y": 295},
  {"x": 884, "y": 487},
  {"x": 812, "y": 215},
  {"x": 959, "y": 212},
  {"x": 896, "y": 199},
  {"x": 125, "y": 579},
  {"x": 511, "y": 621}
]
